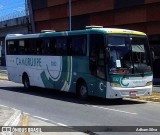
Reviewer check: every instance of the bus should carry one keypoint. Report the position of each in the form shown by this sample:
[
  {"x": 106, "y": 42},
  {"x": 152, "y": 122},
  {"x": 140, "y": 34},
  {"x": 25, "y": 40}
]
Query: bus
[{"x": 102, "y": 62}]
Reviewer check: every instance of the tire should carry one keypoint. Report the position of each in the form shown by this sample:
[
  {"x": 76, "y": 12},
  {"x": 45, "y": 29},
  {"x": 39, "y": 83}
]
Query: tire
[
  {"x": 82, "y": 91},
  {"x": 118, "y": 100},
  {"x": 26, "y": 82}
]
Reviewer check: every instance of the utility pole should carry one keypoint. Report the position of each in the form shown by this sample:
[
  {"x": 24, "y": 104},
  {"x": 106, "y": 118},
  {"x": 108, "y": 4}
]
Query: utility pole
[
  {"x": 70, "y": 15},
  {"x": 30, "y": 14}
]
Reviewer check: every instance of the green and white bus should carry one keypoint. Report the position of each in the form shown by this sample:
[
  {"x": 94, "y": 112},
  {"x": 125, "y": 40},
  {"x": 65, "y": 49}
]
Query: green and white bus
[{"x": 96, "y": 61}]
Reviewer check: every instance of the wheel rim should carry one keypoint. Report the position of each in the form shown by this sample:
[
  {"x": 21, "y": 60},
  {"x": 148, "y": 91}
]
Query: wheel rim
[{"x": 83, "y": 90}]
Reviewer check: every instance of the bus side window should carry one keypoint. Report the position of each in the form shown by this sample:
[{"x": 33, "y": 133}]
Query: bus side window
[
  {"x": 39, "y": 45},
  {"x": 78, "y": 45},
  {"x": 61, "y": 46},
  {"x": 27, "y": 47},
  {"x": 51, "y": 45},
  {"x": 48, "y": 46},
  {"x": 32, "y": 43},
  {"x": 12, "y": 47},
  {"x": 21, "y": 47},
  {"x": 45, "y": 44}
]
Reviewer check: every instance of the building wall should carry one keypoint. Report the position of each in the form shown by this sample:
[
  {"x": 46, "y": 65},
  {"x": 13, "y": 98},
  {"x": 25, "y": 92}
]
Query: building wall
[
  {"x": 141, "y": 15},
  {"x": 132, "y": 14}
]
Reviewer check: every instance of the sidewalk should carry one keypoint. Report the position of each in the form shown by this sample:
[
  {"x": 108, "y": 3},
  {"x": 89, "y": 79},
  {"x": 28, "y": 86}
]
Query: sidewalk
[
  {"x": 3, "y": 73},
  {"x": 3, "y": 76},
  {"x": 12, "y": 119}
]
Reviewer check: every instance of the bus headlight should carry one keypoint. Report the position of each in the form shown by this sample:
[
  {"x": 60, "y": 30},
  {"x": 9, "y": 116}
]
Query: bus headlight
[
  {"x": 149, "y": 83},
  {"x": 115, "y": 85}
]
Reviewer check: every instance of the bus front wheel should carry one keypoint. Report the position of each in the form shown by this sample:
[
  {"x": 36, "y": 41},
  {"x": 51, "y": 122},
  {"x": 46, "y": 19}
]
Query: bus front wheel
[
  {"x": 82, "y": 90},
  {"x": 26, "y": 82}
]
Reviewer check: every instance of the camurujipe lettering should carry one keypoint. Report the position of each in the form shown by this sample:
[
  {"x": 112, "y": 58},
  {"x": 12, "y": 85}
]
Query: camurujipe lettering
[{"x": 30, "y": 62}]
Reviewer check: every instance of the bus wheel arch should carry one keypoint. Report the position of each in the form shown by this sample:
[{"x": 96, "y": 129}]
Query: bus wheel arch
[
  {"x": 26, "y": 81},
  {"x": 81, "y": 89}
]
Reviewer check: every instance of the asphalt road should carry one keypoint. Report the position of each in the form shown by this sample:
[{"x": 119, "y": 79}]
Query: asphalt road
[{"x": 65, "y": 108}]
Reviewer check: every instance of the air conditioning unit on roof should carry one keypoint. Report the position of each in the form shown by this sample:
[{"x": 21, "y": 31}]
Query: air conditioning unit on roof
[
  {"x": 93, "y": 26},
  {"x": 47, "y": 31}
]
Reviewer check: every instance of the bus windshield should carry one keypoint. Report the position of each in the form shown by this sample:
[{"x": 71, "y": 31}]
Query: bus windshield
[{"x": 129, "y": 54}]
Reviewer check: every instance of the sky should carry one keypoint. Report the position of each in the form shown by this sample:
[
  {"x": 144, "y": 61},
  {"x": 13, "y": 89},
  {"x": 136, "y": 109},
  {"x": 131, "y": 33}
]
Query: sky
[{"x": 11, "y": 8}]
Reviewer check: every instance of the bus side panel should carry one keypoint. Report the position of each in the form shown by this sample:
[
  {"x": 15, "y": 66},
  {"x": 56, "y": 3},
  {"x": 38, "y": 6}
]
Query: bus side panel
[
  {"x": 96, "y": 87},
  {"x": 31, "y": 72},
  {"x": 13, "y": 74},
  {"x": 12, "y": 69},
  {"x": 16, "y": 67},
  {"x": 55, "y": 72}
]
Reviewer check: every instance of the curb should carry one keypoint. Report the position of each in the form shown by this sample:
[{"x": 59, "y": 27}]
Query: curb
[{"x": 142, "y": 100}]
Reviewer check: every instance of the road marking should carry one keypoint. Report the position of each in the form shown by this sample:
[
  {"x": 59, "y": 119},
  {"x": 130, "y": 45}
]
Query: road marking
[
  {"x": 14, "y": 119},
  {"x": 41, "y": 118},
  {"x": 55, "y": 123},
  {"x": 3, "y": 106},
  {"x": 62, "y": 124},
  {"x": 114, "y": 110},
  {"x": 25, "y": 122}
]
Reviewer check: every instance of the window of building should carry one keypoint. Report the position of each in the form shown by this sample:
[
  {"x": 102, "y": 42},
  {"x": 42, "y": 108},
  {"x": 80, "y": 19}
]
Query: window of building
[{"x": 127, "y": 3}]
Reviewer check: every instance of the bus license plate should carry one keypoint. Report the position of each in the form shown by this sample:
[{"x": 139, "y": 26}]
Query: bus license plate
[{"x": 133, "y": 93}]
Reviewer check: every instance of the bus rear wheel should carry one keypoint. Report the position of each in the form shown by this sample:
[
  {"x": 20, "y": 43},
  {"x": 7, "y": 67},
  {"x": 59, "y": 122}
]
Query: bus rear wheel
[
  {"x": 82, "y": 91},
  {"x": 26, "y": 82}
]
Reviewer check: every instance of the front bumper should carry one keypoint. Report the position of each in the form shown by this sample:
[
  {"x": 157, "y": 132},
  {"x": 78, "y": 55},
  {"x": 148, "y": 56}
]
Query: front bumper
[{"x": 116, "y": 92}]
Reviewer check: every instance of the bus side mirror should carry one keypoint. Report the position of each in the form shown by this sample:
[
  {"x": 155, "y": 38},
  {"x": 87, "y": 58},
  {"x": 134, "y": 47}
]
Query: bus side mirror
[
  {"x": 152, "y": 54},
  {"x": 107, "y": 55}
]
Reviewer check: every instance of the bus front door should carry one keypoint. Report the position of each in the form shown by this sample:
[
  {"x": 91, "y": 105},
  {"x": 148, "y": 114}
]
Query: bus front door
[
  {"x": 101, "y": 74},
  {"x": 98, "y": 71}
]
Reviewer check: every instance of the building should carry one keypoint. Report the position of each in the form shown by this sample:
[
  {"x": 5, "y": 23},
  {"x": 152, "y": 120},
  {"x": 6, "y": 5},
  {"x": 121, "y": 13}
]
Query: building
[
  {"x": 11, "y": 26},
  {"x": 139, "y": 15},
  {"x": 133, "y": 14}
]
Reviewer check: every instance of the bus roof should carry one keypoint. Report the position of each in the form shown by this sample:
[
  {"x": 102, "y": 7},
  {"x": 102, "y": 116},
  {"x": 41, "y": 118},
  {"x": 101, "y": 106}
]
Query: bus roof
[
  {"x": 122, "y": 31},
  {"x": 76, "y": 32}
]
